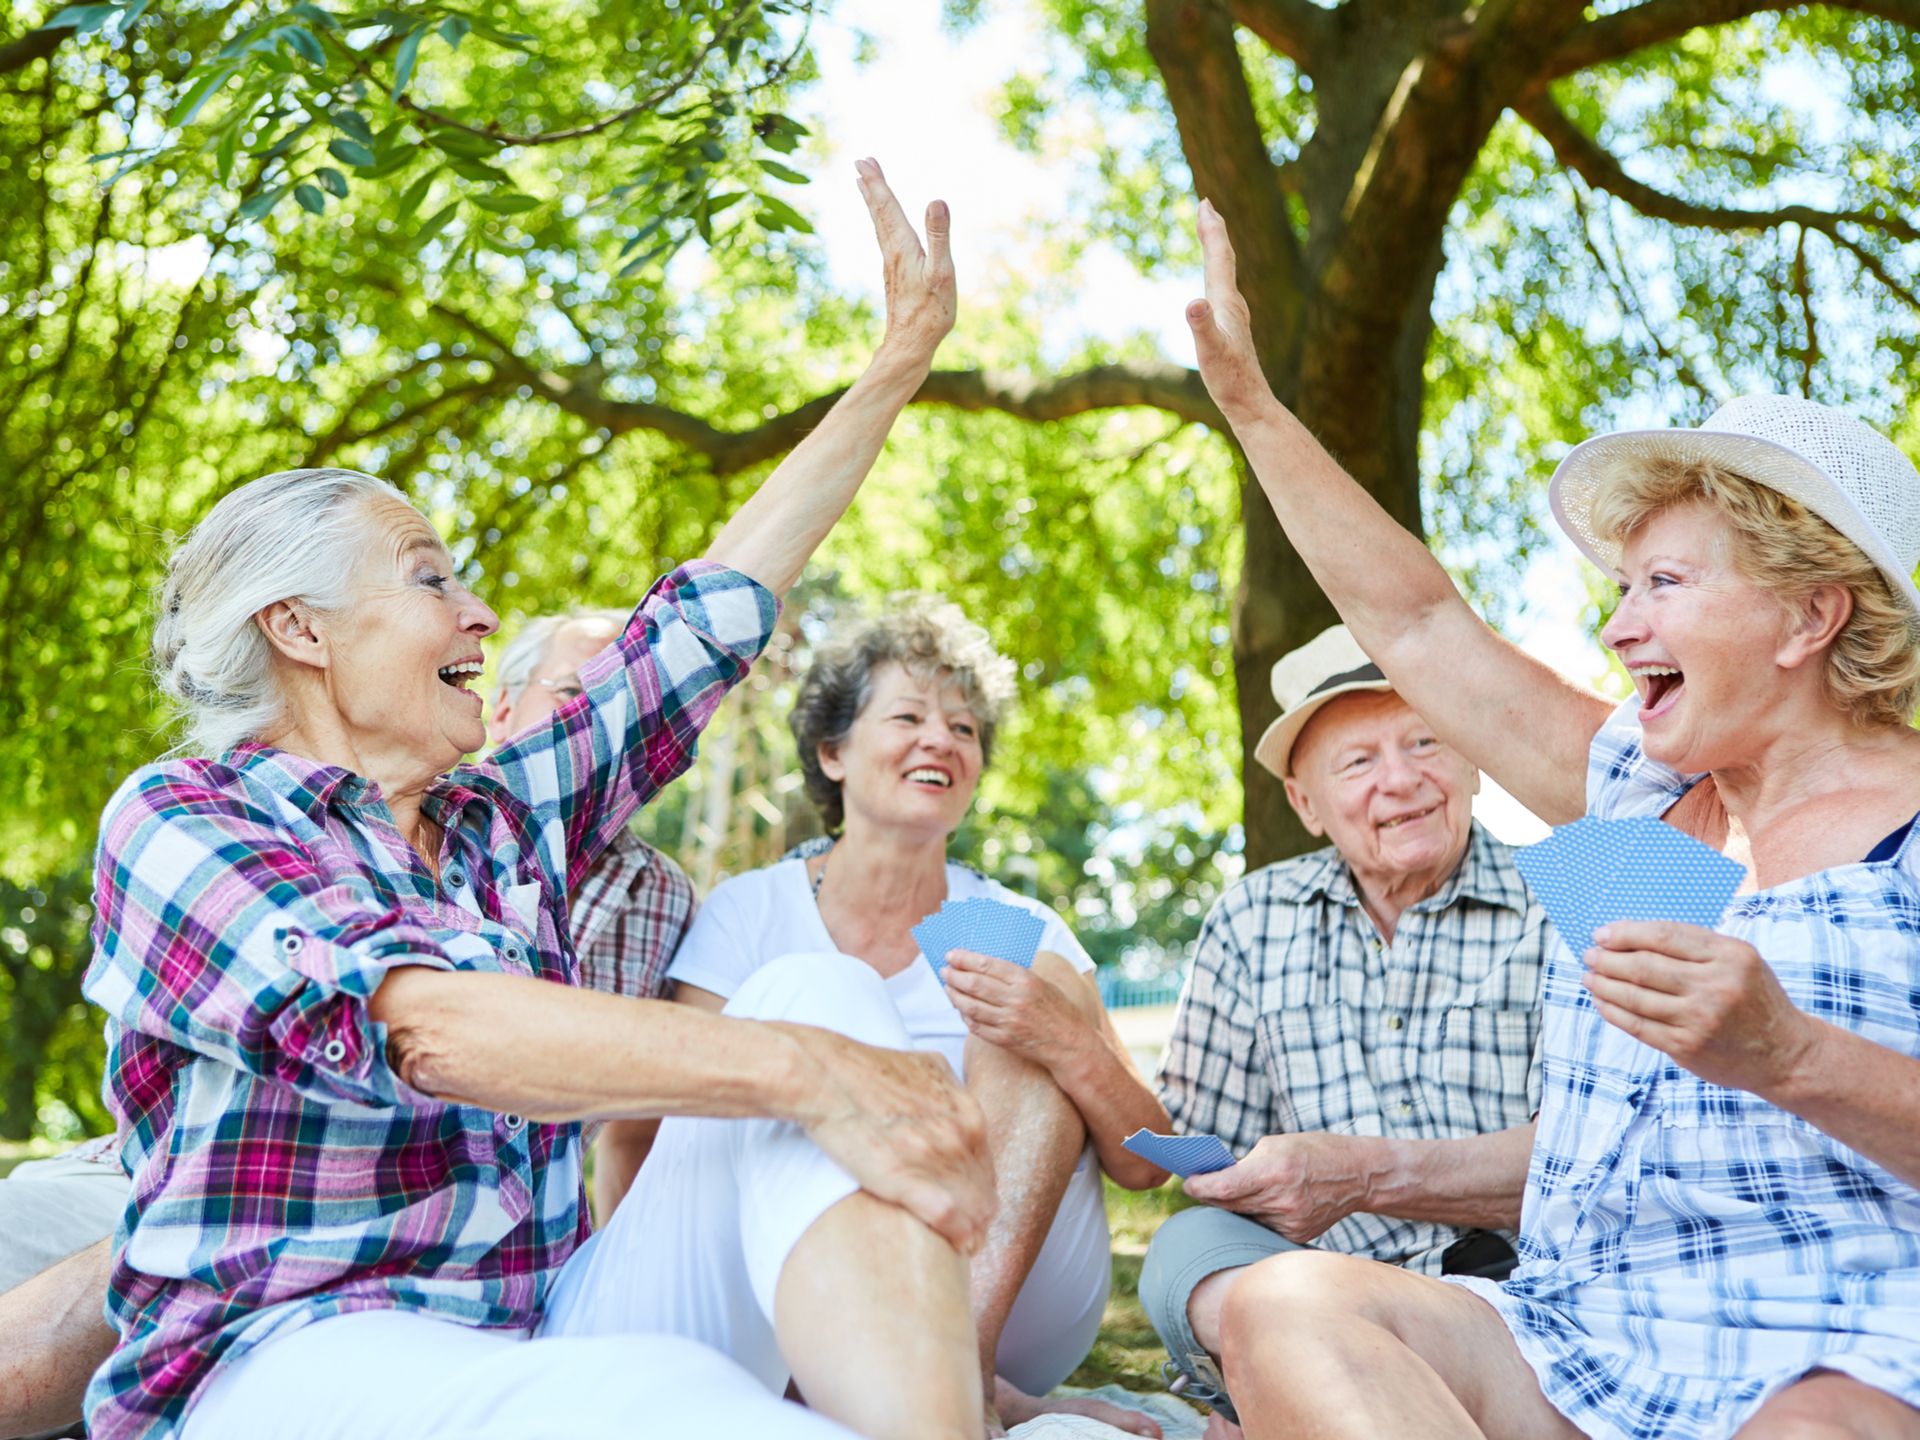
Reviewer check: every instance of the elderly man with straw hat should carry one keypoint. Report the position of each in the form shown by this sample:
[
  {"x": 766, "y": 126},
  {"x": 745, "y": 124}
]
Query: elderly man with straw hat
[{"x": 1360, "y": 1023}]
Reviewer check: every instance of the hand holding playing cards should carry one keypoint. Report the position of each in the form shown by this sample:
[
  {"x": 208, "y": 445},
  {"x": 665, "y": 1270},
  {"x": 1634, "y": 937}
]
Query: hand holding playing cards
[
  {"x": 919, "y": 280},
  {"x": 1015, "y": 1008},
  {"x": 1298, "y": 1185},
  {"x": 1223, "y": 329},
  {"x": 1706, "y": 1000},
  {"x": 898, "y": 1121}
]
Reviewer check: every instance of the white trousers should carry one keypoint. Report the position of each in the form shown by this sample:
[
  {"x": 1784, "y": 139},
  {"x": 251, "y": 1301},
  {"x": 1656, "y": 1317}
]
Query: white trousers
[
  {"x": 51, "y": 1208},
  {"x": 661, "y": 1325}
]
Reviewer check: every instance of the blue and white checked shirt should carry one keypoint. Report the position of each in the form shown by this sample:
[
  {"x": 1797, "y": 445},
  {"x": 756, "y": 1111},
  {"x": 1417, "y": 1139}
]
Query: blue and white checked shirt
[{"x": 1687, "y": 1249}]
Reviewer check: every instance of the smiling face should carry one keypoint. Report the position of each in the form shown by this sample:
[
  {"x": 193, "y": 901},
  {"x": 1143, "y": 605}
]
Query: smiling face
[
  {"x": 394, "y": 676},
  {"x": 1707, "y": 648},
  {"x": 912, "y": 757},
  {"x": 1369, "y": 774}
]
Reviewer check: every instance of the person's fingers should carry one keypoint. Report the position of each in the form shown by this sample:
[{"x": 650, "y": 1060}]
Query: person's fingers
[
  {"x": 1647, "y": 969},
  {"x": 1200, "y": 320},
  {"x": 939, "y": 235},
  {"x": 1667, "y": 937},
  {"x": 1657, "y": 1005},
  {"x": 1216, "y": 253},
  {"x": 1647, "y": 1031},
  {"x": 890, "y": 225}
]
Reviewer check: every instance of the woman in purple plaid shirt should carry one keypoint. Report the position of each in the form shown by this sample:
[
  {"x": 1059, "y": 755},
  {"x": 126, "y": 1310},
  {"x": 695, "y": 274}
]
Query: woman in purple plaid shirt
[{"x": 351, "y": 1058}]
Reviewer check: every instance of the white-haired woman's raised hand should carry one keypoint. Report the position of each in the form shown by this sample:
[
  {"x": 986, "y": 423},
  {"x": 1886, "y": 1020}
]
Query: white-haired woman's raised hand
[
  {"x": 1223, "y": 330},
  {"x": 919, "y": 278}
]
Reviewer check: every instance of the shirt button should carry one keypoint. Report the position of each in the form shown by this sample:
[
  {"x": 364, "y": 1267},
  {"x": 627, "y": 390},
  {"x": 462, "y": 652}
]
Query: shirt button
[
  {"x": 515, "y": 955},
  {"x": 1394, "y": 1022},
  {"x": 335, "y": 1051},
  {"x": 513, "y": 1123},
  {"x": 456, "y": 877},
  {"x": 291, "y": 944},
  {"x": 1405, "y": 1108}
]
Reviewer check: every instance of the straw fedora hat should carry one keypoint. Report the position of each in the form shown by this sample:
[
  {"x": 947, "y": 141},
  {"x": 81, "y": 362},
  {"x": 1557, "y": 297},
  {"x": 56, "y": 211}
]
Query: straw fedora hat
[
  {"x": 1846, "y": 472},
  {"x": 1328, "y": 666}
]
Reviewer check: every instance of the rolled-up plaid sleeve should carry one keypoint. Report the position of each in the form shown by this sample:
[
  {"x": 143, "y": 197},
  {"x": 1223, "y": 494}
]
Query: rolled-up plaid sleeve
[
  {"x": 215, "y": 932},
  {"x": 647, "y": 698}
]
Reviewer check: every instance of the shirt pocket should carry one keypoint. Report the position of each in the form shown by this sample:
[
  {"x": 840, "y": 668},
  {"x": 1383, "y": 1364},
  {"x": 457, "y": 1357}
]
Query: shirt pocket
[
  {"x": 1485, "y": 1052},
  {"x": 1319, "y": 1075}
]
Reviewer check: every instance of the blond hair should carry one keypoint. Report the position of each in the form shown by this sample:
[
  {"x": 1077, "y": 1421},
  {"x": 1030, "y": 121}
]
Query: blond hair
[{"x": 1873, "y": 664}]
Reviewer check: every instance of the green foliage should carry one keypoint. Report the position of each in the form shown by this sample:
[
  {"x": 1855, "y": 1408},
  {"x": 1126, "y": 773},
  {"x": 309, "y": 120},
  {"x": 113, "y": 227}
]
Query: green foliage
[{"x": 50, "y": 1065}]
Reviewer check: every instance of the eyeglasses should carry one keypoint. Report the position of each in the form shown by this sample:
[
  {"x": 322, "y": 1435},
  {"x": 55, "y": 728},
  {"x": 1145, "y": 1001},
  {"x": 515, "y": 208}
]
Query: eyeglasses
[{"x": 566, "y": 688}]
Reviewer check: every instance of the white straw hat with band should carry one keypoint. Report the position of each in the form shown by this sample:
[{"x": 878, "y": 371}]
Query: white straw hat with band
[
  {"x": 1844, "y": 471},
  {"x": 1328, "y": 666}
]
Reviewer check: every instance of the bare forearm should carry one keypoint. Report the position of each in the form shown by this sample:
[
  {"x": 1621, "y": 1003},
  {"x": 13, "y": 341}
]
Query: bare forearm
[
  {"x": 548, "y": 1052},
  {"x": 1478, "y": 1180},
  {"x": 617, "y": 1157},
  {"x": 1114, "y": 1101},
  {"x": 56, "y": 1337},
  {"x": 1862, "y": 1094},
  {"x": 774, "y": 533}
]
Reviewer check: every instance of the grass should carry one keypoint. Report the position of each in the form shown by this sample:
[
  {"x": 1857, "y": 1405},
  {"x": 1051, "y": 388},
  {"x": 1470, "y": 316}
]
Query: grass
[{"x": 1127, "y": 1352}]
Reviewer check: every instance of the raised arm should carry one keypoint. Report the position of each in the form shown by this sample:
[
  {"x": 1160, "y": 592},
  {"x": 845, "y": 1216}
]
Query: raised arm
[
  {"x": 1509, "y": 714},
  {"x": 783, "y": 522}
]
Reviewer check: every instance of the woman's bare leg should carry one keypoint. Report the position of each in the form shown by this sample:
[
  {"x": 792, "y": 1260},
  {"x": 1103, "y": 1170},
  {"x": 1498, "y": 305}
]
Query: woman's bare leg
[
  {"x": 1322, "y": 1345},
  {"x": 1827, "y": 1405},
  {"x": 871, "y": 1314},
  {"x": 1036, "y": 1136}
]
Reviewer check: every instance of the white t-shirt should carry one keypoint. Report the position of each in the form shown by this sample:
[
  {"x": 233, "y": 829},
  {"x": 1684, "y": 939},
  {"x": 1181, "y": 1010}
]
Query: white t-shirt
[{"x": 764, "y": 914}]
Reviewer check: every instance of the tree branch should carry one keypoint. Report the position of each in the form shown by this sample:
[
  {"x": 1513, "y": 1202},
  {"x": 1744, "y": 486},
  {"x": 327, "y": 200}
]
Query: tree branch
[
  {"x": 1609, "y": 37},
  {"x": 32, "y": 46},
  {"x": 1588, "y": 159},
  {"x": 1297, "y": 29}
]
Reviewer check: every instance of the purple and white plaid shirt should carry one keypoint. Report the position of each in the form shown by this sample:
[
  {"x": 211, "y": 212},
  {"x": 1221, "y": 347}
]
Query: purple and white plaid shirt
[{"x": 246, "y": 910}]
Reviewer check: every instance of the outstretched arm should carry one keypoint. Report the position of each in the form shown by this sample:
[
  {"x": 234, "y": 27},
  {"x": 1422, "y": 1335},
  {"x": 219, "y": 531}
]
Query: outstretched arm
[
  {"x": 773, "y": 534},
  {"x": 53, "y": 1336},
  {"x": 1506, "y": 712}
]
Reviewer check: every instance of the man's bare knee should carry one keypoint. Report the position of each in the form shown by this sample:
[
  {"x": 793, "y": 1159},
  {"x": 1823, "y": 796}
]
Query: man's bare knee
[{"x": 1827, "y": 1405}]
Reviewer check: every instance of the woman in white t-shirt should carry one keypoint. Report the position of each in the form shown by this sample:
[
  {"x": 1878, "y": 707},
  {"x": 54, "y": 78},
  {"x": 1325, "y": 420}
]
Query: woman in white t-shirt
[{"x": 894, "y": 722}]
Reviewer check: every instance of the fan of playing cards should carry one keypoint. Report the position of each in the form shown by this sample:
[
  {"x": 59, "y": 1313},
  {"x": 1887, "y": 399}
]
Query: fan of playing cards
[
  {"x": 1594, "y": 871},
  {"x": 986, "y": 927}
]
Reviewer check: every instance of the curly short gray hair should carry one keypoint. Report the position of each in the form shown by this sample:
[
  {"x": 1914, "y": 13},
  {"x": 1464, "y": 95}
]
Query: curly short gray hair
[
  {"x": 926, "y": 636},
  {"x": 293, "y": 535}
]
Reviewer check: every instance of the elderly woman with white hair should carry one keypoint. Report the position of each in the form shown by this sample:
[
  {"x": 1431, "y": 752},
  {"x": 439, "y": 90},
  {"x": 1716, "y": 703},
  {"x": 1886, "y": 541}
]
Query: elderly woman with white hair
[
  {"x": 350, "y": 1054},
  {"x": 1721, "y": 1229},
  {"x": 894, "y": 722}
]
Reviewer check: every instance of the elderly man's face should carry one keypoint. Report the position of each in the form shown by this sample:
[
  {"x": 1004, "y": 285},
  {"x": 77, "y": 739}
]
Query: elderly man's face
[
  {"x": 1369, "y": 775},
  {"x": 555, "y": 680}
]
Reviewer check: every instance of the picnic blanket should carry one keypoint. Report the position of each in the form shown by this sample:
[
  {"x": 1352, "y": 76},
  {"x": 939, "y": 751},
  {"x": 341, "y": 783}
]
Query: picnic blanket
[{"x": 1178, "y": 1420}]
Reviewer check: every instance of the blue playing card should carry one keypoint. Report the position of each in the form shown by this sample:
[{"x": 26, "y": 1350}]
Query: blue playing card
[
  {"x": 1593, "y": 871},
  {"x": 1184, "y": 1155},
  {"x": 986, "y": 927}
]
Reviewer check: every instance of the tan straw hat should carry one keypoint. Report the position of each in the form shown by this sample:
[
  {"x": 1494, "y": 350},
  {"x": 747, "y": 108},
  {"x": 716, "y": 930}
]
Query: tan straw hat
[
  {"x": 1846, "y": 472},
  {"x": 1329, "y": 665}
]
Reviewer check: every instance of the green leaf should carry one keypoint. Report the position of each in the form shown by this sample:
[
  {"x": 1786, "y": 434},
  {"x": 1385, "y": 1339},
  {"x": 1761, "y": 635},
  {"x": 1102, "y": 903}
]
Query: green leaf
[
  {"x": 780, "y": 140},
  {"x": 716, "y": 203},
  {"x": 353, "y": 125},
  {"x": 332, "y": 181},
  {"x": 473, "y": 170},
  {"x": 634, "y": 240},
  {"x": 511, "y": 203},
  {"x": 634, "y": 265},
  {"x": 256, "y": 206},
  {"x": 352, "y": 152},
  {"x": 454, "y": 29},
  {"x": 434, "y": 224},
  {"x": 776, "y": 215},
  {"x": 304, "y": 44},
  {"x": 198, "y": 95},
  {"x": 85, "y": 19},
  {"x": 403, "y": 61},
  {"x": 713, "y": 150},
  {"x": 462, "y": 144},
  {"x": 416, "y": 194},
  {"x": 784, "y": 172},
  {"x": 286, "y": 142},
  {"x": 227, "y": 149},
  {"x": 308, "y": 11},
  {"x": 310, "y": 198}
]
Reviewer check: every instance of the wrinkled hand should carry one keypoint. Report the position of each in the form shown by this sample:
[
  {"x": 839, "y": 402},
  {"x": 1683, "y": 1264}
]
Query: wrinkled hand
[
  {"x": 1016, "y": 1407},
  {"x": 919, "y": 281},
  {"x": 1223, "y": 330},
  {"x": 1706, "y": 1000},
  {"x": 1012, "y": 1007},
  {"x": 898, "y": 1121},
  {"x": 1298, "y": 1185}
]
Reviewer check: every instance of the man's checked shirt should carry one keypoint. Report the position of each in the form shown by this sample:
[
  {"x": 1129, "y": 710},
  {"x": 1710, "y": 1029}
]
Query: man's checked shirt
[
  {"x": 246, "y": 910},
  {"x": 1687, "y": 1249},
  {"x": 629, "y": 915},
  {"x": 1298, "y": 1017}
]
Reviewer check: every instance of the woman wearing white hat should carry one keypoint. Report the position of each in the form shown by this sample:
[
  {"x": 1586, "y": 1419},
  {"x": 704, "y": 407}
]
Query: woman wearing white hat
[{"x": 1721, "y": 1233}]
